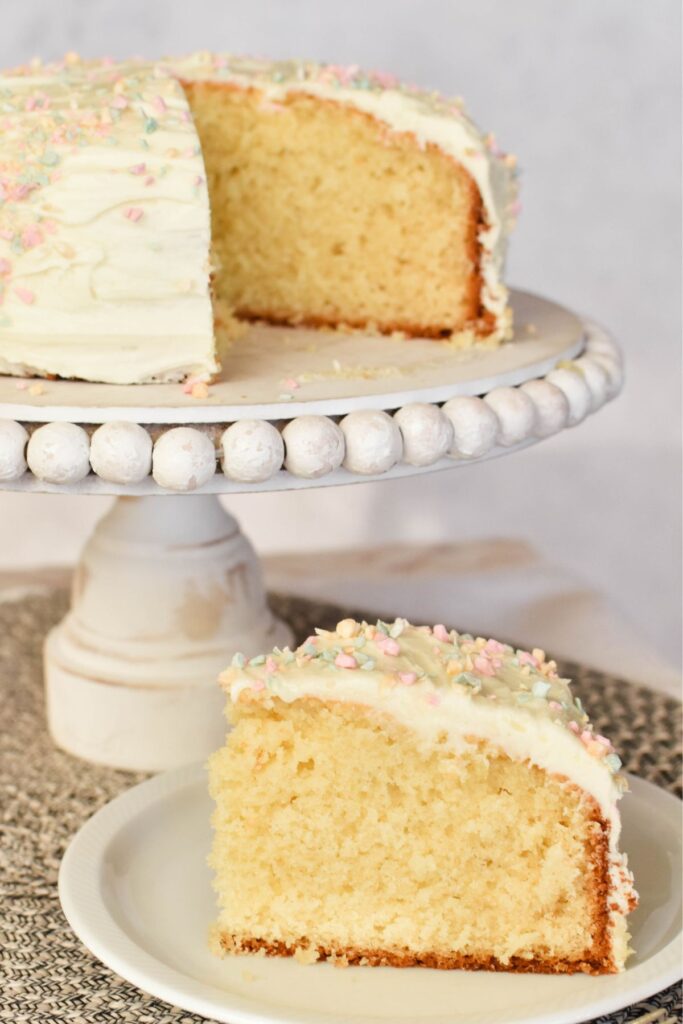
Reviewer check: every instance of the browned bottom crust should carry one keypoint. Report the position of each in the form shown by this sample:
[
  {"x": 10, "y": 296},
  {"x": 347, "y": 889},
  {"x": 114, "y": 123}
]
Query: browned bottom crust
[
  {"x": 481, "y": 329},
  {"x": 587, "y": 964}
]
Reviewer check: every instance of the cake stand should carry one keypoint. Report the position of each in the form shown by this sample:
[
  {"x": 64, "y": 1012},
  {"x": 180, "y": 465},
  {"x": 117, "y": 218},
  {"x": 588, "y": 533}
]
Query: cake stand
[{"x": 168, "y": 588}]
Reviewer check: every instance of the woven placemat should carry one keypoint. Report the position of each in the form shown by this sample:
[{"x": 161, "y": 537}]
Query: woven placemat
[{"x": 46, "y": 975}]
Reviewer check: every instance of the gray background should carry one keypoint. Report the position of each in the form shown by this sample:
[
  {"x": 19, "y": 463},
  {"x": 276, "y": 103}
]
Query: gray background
[{"x": 587, "y": 94}]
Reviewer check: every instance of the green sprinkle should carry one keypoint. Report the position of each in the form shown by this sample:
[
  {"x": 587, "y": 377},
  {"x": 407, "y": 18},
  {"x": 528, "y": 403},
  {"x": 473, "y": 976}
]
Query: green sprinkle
[
  {"x": 237, "y": 660},
  {"x": 540, "y": 688},
  {"x": 328, "y": 656},
  {"x": 368, "y": 665},
  {"x": 287, "y": 656},
  {"x": 151, "y": 125},
  {"x": 382, "y": 627},
  {"x": 469, "y": 679},
  {"x": 613, "y": 762},
  {"x": 579, "y": 705},
  {"x": 310, "y": 649},
  {"x": 259, "y": 659},
  {"x": 50, "y": 158},
  {"x": 523, "y": 697},
  {"x": 359, "y": 641}
]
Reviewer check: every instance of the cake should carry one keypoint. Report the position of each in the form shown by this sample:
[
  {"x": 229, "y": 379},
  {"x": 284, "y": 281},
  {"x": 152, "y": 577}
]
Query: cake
[
  {"x": 400, "y": 795},
  {"x": 148, "y": 207}
]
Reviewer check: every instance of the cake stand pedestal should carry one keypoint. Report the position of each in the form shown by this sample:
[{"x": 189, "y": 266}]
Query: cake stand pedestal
[{"x": 167, "y": 588}]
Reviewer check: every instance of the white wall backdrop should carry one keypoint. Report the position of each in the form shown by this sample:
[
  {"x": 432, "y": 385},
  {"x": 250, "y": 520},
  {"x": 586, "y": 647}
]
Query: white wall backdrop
[{"x": 587, "y": 94}]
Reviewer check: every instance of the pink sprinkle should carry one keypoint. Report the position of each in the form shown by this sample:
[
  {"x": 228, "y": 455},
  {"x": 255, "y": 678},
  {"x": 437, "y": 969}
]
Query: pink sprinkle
[
  {"x": 494, "y": 647},
  {"x": 31, "y": 103},
  {"x": 483, "y": 666},
  {"x": 150, "y": 180},
  {"x": 26, "y": 295},
  {"x": 119, "y": 103},
  {"x": 271, "y": 665},
  {"x": 554, "y": 705},
  {"x": 21, "y": 385},
  {"x": 516, "y": 208},
  {"x": 5, "y": 267},
  {"x": 433, "y": 699},
  {"x": 385, "y": 80},
  {"x": 310, "y": 640},
  {"x": 345, "y": 661},
  {"x": 291, "y": 383},
  {"x": 258, "y": 684},
  {"x": 387, "y": 645},
  {"x": 603, "y": 739},
  {"x": 159, "y": 104},
  {"x": 138, "y": 168},
  {"x": 407, "y": 678},
  {"x": 133, "y": 213},
  {"x": 527, "y": 659},
  {"x": 199, "y": 180},
  {"x": 586, "y": 736},
  {"x": 31, "y": 237},
  {"x": 441, "y": 633},
  {"x": 574, "y": 727}
]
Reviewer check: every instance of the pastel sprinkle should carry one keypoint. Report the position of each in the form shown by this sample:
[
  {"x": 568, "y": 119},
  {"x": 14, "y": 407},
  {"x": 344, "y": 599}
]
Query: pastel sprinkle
[
  {"x": 271, "y": 665},
  {"x": 138, "y": 169},
  {"x": 258, "y": 684},
  {"x": 407, "y": 678},
  {"x": 540, "y": 689},
  {"x": 238, "y": 660},
  {"x": 494, "y": 647},
  {"x": 483, "y": 665},
  {"x": 388, "y": 645},
  {"x": 613, "y": 762},
  {"x": 574, "y": 727},
  {"x": 5, "y": 267},
  {"x": 133, "y": 213},
  {"x": 345, "y": 661},
  {"x": 441, "y": 633},
  {"x": 26, "y": 295},
  {"x": 258, "y": 659}
]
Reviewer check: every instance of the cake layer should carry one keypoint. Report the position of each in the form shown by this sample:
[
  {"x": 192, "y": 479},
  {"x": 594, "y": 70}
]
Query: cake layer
[{"x": 392, "y": 794}]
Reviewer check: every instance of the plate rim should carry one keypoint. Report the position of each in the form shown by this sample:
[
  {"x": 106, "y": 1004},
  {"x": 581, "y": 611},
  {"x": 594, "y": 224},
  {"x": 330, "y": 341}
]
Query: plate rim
[{"x": 95, "y": 926}]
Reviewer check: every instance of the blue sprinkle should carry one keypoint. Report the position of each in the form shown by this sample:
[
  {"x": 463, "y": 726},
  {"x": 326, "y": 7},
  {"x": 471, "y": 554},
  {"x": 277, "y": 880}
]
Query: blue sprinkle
[
  {"x": 368, "y": 665},
  {"x": 259, "y": 659},
  {"x": 237, "y": 660},
  {"x": 151, "y": 125},
  {"x": 469, "y": 679},
  {"x": 613, "y": 762},
  {"x": 540, "y": 688},
  {"x": 310, "y": 649}
]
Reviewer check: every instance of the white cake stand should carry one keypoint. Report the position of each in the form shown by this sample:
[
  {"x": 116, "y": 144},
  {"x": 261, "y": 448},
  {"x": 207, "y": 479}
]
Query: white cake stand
[{"x": 167, "y": 590}]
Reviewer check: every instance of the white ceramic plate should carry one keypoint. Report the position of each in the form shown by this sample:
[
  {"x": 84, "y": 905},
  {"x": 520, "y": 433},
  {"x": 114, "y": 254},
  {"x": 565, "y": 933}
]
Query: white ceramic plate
[{"x": 136, "y": 890}]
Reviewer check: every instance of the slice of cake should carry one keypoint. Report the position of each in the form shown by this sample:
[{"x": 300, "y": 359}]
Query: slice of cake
[
  {"x": 142, "y": 203},
  {"x": 405, "y": 795}
]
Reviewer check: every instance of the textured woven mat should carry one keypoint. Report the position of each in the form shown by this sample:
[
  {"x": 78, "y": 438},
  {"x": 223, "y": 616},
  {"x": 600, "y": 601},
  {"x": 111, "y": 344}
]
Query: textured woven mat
[{"x": 46, "y": 975}]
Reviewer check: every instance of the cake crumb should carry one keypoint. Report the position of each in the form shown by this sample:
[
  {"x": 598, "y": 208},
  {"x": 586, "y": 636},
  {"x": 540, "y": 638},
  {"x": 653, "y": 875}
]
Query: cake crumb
[{"x": 306, "y": 954}]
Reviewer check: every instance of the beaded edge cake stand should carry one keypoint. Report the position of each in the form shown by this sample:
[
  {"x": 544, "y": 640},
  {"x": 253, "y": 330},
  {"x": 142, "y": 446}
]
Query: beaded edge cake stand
[{"x": 167, "y": 590}]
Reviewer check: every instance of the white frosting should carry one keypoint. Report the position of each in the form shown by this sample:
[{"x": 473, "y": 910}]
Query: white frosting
[
  {"x": 13, "y": 438},
  {"x": 373, "y": 441},
  {"x": 252, "y": 451},
  {"x": 550, "y": 404},
  {"x": 183, "y": 459},
  {"x": 105, "y": 226},
  {"x": 435, "y": 682},
  {"x": 314, "y": 446},
  {"x": 121, "y": 452},
  {"x": 516, "y": 415},
  {"x": 427, "y": 433},
  {"x": 475, "y": 426},
  {"x": 58, "y": 453}
]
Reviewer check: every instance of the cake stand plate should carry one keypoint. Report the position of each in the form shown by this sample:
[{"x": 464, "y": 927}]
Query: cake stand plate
[
  {"x": 167, "y": 588},
  {"x": 135, "y": 887}
]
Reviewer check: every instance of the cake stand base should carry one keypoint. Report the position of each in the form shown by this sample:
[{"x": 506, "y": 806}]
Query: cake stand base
[{"x": 166, "y": 591}]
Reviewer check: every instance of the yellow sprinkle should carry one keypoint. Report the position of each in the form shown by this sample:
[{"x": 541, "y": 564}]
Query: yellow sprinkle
[
  {"x": 347, "y": 628},
  {"x": 200, "y": 390},
  {"x": 454, "y": 667},
  {"x": 36, "y": 389}
]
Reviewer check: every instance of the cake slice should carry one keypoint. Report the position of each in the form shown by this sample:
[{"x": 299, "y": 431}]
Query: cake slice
[{"x": 403, "y": 795}]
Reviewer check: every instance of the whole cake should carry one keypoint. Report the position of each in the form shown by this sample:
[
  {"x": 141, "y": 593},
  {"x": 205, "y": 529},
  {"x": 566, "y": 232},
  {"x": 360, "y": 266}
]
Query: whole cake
[
  {"x": 143, "y": 205},
  {"x": 403, "y": 795}
]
